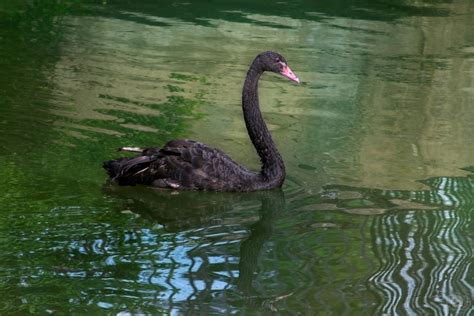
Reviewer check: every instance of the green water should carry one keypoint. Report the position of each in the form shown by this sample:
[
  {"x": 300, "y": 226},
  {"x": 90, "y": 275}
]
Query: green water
[{"x": 375, "y": 216}]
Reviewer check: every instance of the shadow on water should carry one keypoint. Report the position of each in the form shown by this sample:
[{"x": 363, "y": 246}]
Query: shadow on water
[
  {"x": 200, "y": 13},
  {"x": 29, "y": 39},
  {"x": 212, "y": 220}
]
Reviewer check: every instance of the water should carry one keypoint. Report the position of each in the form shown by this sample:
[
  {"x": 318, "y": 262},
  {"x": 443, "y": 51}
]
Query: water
[{"x": 376, "y": 213}]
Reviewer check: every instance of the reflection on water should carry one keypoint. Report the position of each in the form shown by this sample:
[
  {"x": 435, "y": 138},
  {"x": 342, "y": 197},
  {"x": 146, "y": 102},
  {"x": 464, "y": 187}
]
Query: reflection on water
[
  {"x": 424, "y": 258},
  {"x": 222, "y": 258},
  {"x": 424, "y": 263},
  {"x": 435, "y": 255},
  {"x": 386, "y": 100}
]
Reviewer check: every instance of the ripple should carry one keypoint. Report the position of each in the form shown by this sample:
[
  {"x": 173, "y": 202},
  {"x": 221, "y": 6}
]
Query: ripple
[{"x": 406, "y": 245}]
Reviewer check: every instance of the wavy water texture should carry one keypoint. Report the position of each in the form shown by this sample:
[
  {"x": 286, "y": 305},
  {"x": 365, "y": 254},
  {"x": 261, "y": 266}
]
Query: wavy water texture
[
  {"x": 425, "y": 257},
  {"x": 425, "y": 269}
]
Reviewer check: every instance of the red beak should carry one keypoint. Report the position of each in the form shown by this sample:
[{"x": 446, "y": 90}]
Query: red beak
[{"x": 286, "y": 72}]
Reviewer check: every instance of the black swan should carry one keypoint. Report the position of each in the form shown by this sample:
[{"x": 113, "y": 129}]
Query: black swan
[{"x": 187, "y": 164}]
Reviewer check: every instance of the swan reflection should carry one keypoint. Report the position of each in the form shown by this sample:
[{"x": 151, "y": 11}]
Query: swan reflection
[{"x": 206, "y": 250}]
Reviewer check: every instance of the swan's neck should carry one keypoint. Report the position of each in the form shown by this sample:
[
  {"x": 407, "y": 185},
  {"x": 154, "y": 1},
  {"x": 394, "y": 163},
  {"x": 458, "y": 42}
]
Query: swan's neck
[{"x": 273, "y": 169}]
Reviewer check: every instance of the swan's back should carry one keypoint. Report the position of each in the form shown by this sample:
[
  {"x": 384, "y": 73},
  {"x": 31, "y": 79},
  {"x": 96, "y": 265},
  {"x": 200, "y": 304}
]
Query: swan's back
[{"x": 182, "y": 164}]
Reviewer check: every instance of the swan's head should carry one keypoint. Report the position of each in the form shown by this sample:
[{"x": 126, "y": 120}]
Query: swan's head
[{"x": 271, "y": 61}]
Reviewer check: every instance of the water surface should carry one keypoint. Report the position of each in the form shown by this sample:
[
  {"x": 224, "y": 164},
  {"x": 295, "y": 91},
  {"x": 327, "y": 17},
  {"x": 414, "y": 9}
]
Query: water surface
[{"x": 376, "y": 213}]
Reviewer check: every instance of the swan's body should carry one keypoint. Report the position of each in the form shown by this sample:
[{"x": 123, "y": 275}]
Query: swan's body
[{"x": 186, "y": 164}]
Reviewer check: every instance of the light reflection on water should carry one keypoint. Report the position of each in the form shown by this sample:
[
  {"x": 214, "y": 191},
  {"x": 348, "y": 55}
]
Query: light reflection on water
[{"x": 386, "y": 100}]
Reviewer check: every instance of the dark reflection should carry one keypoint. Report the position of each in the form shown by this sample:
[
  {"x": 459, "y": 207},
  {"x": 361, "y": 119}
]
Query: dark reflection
[
  {"x": 212, "y": 220},
  {"x": 200, "y": 12},
  {"x": 29, "y": 39},
  {"x": 272, "y": 204},
  {"x": 175, "y": 210}
]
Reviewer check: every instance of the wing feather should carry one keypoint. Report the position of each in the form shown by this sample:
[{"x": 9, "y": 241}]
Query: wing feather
[{"x": 184, "y": 164}]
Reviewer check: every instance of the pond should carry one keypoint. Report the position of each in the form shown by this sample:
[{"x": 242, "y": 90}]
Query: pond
[{"x": 375, "y": 215}]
